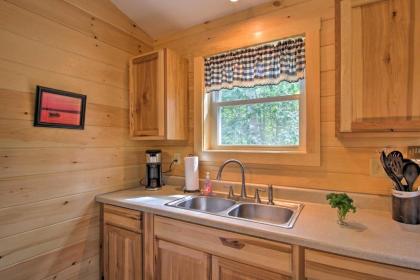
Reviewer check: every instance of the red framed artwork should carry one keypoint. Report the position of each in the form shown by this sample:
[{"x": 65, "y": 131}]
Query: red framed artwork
[{"x": 57, "y": 108}]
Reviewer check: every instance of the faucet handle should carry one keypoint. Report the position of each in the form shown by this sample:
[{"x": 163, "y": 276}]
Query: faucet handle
[
  {"x": 231, "y": 192},
  {"x": 257, "y": 197},
  {"x": 270, "y": 195}
]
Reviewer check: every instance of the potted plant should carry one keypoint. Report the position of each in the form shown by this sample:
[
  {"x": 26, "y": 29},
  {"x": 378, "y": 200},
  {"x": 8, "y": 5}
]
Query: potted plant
[{"x": 344, "y": 205}]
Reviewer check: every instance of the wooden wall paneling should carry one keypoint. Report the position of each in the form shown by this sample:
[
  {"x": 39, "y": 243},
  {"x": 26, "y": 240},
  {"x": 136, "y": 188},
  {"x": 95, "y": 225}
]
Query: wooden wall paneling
[
  {"x": 21, "y": 50},
  {"x": 107, "y": 11},
  {"x": 20, "y": 247},
  {"x": 27, "y": 217},
  {"x": 48, "y": 32},
  {"x": 24, "y": 78},
  {"x": 52, "y": 262},
  {"x": 83, "y": 22},
  {"x": 87, "y": 269},
  {"x": 22, "y": 190},
  {"x": 50, "y": 177},
  {"x": 22, "y": 134},
  {"x": 31, "y": 161}
]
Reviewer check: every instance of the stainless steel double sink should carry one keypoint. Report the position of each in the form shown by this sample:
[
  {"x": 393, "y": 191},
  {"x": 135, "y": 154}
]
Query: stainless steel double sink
[{"x": 283, "y": 214}]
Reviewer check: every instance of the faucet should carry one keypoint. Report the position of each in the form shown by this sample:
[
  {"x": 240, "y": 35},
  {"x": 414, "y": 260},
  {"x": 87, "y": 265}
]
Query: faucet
[{"x": 219, "y": 174}]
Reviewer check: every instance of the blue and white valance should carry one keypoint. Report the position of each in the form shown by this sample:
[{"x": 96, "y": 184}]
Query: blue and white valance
[{"x": 259, "y": 65}]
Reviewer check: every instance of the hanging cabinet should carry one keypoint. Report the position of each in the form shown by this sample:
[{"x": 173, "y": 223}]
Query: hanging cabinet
[
  {"x": 158, "y": 96},
  {"x": 378, "y": 68}
]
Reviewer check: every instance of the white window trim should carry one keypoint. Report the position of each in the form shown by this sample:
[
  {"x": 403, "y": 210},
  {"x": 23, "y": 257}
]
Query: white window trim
[{"x": 308, "y": 154}]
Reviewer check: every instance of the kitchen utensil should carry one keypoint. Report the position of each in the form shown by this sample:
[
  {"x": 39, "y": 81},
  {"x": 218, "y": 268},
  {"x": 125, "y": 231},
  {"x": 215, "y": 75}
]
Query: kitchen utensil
[
  {"x": 397, "y": 183},
  {"x": 395, "y": 162},
  {"x": 411, "y": 172}
]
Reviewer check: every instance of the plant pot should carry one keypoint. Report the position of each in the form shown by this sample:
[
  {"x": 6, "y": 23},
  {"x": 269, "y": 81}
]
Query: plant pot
[{"x": 406, "y": 207}]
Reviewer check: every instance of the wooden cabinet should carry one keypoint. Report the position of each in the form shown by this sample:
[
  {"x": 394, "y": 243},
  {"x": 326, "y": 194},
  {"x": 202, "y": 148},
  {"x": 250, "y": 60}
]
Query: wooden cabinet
[
  {"x": 122, "y": 254},
  {"x": 122, "y": 244},
  {"x": 158, "y": 96},
  {"x": 265, "y": 254},
  {"x": 177, "y": 262},
  {"x": 326, "y": 266},
  {"x": 225, "y": 269},
  {"x": 177, "y": 250},
  {"x": 379, "y": 70}
]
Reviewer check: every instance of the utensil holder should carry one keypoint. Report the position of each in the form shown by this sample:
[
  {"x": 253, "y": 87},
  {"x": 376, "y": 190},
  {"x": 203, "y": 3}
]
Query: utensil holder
[{"x": 406, "y": 207}]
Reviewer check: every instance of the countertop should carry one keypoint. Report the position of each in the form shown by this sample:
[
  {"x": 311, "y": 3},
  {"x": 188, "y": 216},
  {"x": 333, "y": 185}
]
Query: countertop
[{"x": 370, "y": 234}]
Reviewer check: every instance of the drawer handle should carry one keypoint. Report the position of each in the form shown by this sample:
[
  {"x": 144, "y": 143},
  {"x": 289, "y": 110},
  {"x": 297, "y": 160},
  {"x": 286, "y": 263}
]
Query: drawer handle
[{"x": 232, "y": 243}]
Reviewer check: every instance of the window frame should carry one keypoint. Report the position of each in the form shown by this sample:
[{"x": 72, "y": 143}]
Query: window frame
[
  {"x": 308, "y": 154},
  {"x": 214, "y": 122}
]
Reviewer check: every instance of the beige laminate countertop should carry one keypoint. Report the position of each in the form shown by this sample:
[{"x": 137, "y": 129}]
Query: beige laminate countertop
[{"x": 370, "y": 235}]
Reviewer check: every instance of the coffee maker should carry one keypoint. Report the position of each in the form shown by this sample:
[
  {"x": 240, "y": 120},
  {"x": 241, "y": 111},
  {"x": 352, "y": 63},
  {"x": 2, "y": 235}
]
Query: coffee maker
[{"x": 154, "y": 180}]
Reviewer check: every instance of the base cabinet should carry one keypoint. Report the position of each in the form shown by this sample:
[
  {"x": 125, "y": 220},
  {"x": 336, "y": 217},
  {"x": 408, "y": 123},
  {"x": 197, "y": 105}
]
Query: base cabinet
[
  {"x": 224, "y": 269},
  {"x": 177, "y": 250},
  {"x": 122, "y": 254},
  {"x": 122, "y": 244},
  {"x": 175, "y": 262}
]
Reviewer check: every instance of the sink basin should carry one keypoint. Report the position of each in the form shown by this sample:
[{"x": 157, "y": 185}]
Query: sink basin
[
  {"x": 206, "y": 204},
  {"x": 275, "y": 215},
  {"x": 283, "y": 214}
]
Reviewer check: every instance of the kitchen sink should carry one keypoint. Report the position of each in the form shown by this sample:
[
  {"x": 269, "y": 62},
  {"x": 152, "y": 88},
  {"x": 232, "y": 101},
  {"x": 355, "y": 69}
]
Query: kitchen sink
[
  {"x": 262, "y": 213},
  {"x": 207, "y": 204},
  {"x": 283, "y": 214}
]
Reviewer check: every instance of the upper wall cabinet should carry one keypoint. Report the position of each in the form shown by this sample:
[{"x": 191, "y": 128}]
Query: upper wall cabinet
[
  {"x": 158, "y": 96},
  {"x": 379, "y": 65}
]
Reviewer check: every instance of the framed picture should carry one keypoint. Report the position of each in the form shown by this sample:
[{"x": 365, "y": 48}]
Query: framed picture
[{"x": 57, "y": 108}]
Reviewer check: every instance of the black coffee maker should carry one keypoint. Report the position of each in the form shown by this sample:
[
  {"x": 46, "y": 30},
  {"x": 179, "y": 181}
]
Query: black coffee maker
[{"x": 154, "y": 180}]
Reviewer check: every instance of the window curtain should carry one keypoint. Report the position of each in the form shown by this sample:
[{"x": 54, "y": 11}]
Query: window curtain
[{"x": 266, "y": 64}]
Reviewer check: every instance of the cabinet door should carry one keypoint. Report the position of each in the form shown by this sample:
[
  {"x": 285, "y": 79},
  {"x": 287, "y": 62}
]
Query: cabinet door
[
  {"x": 224, "y": 269},
  {"x": 147, "y": 95},
  {"x": 122, "y": 254},
  {"x": 326, "y": 266},
  {"x": 379, "y": 67},
  {"x": 175, "y": 262}
]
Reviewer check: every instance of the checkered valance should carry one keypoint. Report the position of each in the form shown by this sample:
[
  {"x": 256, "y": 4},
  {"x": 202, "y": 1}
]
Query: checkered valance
[{"x": 259, "y": 65}]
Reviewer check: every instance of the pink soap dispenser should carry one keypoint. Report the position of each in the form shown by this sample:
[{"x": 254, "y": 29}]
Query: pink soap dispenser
[{"x": 208, "y": 188}]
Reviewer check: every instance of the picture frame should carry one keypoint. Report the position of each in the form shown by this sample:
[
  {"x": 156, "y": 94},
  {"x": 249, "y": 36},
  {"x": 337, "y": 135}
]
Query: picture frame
[{"x": 59, "y": 109}]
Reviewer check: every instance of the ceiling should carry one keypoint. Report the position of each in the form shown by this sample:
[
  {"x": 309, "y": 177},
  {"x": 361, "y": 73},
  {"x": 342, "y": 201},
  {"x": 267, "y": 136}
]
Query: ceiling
[{"x": 162, "y": 17}]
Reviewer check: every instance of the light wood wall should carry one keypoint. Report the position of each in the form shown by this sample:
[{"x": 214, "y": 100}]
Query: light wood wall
[
  {"x": 49, "y": 221},
  {"x": 348, "y": 163}
]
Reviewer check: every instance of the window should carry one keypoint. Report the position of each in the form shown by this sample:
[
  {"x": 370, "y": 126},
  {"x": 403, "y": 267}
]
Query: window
[
  {"x": 262, "y": 116},
  {"x": 261, "y": 104}
]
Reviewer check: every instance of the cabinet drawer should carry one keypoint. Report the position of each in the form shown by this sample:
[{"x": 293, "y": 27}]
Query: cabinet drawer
[
  {"x": 326, "y": 266},
  {"x": 262, "y": 253},
  {"x": 122, "y": 217}
]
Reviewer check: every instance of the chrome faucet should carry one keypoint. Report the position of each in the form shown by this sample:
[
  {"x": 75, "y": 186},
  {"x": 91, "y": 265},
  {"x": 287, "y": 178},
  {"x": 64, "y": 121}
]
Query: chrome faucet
[{"x": 219, "y": 174}]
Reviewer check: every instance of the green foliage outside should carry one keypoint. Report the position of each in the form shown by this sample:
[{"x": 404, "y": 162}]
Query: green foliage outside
[
  {"x": 267, "y": 123},
  {"x": 343, "y": 203}
]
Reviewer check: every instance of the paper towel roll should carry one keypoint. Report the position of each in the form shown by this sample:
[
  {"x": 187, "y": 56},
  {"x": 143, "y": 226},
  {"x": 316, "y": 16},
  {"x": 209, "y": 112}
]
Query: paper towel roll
[{"x": 191, "y": 173}]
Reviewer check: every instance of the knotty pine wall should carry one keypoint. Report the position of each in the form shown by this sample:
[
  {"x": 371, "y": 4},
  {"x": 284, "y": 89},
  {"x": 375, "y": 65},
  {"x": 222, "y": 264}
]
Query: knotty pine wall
[
  {"x": 49, "y": 221},
  {"x": 348, "y": 163}
]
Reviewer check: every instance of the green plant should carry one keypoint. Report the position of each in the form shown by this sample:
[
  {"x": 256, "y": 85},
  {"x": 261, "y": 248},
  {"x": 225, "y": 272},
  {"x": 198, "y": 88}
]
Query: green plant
[{"x": 343, "y": 203}]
